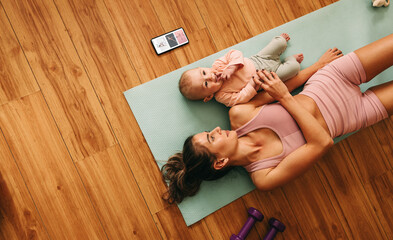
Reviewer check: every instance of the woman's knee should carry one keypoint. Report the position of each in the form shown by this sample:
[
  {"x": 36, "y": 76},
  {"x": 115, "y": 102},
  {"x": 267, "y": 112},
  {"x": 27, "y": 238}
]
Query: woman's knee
[{"x": 376, "y": 56}]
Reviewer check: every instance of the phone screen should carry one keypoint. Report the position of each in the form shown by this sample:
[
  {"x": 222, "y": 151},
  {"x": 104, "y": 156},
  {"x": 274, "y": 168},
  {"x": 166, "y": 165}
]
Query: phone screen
[{"x": 170, "y": 40}]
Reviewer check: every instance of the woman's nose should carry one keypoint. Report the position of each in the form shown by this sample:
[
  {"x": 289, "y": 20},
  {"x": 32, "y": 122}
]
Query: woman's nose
[{"x": 218, "y": 130}]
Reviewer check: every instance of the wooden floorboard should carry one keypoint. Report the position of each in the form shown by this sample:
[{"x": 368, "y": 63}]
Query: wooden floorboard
[
  {"x": 48, "y": 170},
  {"x": 275, "y": 204},
  {"x": 225, "y": 29},
  {"x": 252, "y": 10},
  {"x": 310, "y": 204},
  {"x": 61, "y": 76},
  {"x": 111, "y": 72},
  {"x": 75, "y": 165},
  {"x": 172, "y": 225},
  {"x": 16, "y": 78},
  {"x": 137, "y": 23},
  {"x": 116, "y": 197},
  {"x": 347, "y": 194},
  {"x": 173, "y": 14},
  {"x": 19, "y": 218}
]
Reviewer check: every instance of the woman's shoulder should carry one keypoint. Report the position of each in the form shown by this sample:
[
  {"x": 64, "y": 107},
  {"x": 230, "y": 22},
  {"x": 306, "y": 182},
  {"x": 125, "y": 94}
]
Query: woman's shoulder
[{"x": 241, "y": 114}]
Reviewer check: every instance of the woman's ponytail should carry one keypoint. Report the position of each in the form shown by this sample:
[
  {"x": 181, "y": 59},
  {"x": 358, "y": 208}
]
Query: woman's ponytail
[{"x": 185, "y": 171}]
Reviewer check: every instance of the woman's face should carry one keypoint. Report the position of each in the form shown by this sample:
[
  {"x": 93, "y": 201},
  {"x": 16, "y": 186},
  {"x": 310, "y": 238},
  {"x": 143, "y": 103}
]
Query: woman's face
[{"x": 222, "y": 143}]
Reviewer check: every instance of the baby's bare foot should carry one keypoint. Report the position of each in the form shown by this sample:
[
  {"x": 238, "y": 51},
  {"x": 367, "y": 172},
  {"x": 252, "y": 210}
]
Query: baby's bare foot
[
  {"x": 299, "y": 57},
  {"x": 285, "y": 36}
]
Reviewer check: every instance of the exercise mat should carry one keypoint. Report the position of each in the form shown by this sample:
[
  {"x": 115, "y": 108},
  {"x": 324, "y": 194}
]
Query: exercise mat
[{"x": 166, "y": 118}]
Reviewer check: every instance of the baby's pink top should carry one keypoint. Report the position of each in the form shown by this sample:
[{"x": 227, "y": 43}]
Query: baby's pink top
[
  {"x": 276, "y": 118},
  {"x": 238, "y": 88}
]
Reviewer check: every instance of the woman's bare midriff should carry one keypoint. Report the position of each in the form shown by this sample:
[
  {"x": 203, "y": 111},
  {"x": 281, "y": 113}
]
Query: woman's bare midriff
[{"x": 310, "y": 105}]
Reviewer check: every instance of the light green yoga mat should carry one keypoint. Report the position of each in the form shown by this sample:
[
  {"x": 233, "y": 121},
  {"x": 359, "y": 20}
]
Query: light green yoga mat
[{"x": 167, "y": 119}]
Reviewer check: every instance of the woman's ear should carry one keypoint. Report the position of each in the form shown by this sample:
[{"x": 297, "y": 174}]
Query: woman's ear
[
  {"x": 220, "y": 163},
  {"x": 206, "y": 99}
]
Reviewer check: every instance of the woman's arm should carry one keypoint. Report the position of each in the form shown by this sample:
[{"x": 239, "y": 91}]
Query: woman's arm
[
  {"x": 318, "y": 140},
  {"x": 330, "y": 55},
  {"x": 242, "y": 113}
]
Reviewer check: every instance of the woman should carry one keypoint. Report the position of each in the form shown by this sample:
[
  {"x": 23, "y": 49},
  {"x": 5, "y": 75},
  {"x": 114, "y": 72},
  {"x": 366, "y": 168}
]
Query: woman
[{"x": 278, "y": 142}]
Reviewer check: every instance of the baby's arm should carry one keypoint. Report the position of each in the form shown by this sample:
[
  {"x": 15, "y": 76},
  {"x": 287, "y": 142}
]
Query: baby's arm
[
  {"x": 232, "y": 58},
  {"x": 227, "y": 73},
  {"x": 230, "y": 99}
]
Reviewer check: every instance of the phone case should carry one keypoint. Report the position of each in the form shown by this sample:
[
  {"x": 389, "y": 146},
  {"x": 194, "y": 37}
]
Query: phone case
[{"x": 169, "y": 41}]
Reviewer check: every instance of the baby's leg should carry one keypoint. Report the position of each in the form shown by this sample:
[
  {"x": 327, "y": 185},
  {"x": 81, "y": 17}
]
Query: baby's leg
[
  {"x": 275, "y": 48},
  {"x": 290, "y": 67},
  {"x": 377, "y": 56}
]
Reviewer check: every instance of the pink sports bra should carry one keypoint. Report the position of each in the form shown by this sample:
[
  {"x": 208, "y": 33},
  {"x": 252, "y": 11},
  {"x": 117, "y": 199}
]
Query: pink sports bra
[{"x": 276, "y": 118}]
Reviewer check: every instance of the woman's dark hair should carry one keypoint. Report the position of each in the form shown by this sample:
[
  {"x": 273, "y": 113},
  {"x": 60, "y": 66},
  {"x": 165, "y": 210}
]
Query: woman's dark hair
[{"x": 186, "y": 170}]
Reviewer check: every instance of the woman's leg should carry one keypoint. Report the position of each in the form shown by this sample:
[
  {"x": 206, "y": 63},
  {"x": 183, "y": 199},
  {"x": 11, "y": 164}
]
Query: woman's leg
[
  {"x": 377, "y": 56},
  {"x": 385, "y": 94}
]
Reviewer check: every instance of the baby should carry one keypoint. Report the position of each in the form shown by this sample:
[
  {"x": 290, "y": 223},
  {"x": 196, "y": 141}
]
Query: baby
[{"x": 232, "y": 78}]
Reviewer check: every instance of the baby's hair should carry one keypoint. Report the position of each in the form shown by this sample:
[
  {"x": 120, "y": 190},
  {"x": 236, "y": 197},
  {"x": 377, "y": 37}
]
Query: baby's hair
[{"x": 185, "y": 85}]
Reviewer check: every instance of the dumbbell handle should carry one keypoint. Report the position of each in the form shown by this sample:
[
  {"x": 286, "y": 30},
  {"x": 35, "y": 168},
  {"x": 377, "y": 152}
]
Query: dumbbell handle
[
  {"x": 271, "y": 234},
  {"x": 246, "y": 228},
  {"x": 253, "y": 216},
  {"x": 275, "y": 226}
]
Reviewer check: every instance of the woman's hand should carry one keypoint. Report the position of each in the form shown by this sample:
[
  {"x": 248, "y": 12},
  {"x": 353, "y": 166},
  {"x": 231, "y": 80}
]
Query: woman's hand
[
  {"x": 329, "y": 56},
  {"x": 273, "y": 85}
]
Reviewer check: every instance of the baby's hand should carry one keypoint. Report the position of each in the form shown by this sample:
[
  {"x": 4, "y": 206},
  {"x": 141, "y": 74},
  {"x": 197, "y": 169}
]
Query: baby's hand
[{"x": 227, "y": 73}]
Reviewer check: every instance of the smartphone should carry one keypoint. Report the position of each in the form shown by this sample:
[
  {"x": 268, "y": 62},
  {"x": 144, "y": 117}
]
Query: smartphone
[{"x": 170, "y": 40}]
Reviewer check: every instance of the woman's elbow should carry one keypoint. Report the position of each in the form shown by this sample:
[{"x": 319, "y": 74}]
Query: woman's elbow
[
  {"x": 328, "y": 142},
  {"x": 264, "y": 187}
]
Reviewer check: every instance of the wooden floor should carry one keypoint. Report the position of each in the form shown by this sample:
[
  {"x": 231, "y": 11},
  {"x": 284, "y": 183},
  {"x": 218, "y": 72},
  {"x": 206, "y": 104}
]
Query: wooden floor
[{"x": 74, "y": 163}]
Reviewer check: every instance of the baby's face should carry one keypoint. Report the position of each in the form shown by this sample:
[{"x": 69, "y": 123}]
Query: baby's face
[{"x": 204, "y": 82}]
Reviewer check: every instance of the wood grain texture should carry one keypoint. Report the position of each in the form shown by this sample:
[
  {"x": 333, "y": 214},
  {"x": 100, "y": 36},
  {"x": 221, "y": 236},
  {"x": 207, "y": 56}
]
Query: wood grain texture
[
  {"x": 61, "y": 76},
  {"x": 309, "y": 202},
  {"x": 107, "y": 65},
  {"x": 261, "y": 16},
  {"x": 111, "y": 73},
  {"x": 75, "y": 163},
  {"x": 19, "y": 219},
  {"x": 16, "y": 78},
  {"x": 172, "y": 225},
  {"x": 137, "y": 24},
  {"x": 291, "y": 10},
  {"x": 229, "y": 220},
  {"x": 178, "y": 13},
  {"x": 380, "y": 192},
  {"x": 115, "y": 196},
  {"x": 384, "y": 131},
  {"x": 226, "y": 28},
  {"x": 275, "y": 204},
  {"x": 363, "y": 155},
  {"x": 348, "y": 195},
  {"x": 323, "y": 3},
  {"x": 48, "y": 170}
]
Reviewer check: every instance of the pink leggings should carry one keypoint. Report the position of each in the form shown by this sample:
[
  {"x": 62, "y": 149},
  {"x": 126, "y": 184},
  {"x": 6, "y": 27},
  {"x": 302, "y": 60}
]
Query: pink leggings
[{"x": 344, "y": 107}]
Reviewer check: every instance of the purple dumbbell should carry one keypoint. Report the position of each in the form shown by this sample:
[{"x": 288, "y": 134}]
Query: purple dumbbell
[
  {"x": 254, "y": 215},
  {"x": 275, "y": 226}
]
